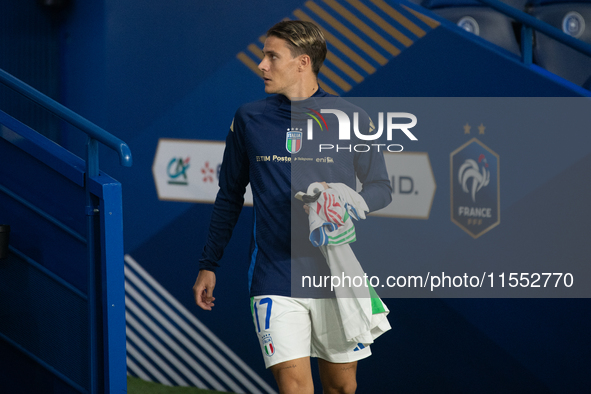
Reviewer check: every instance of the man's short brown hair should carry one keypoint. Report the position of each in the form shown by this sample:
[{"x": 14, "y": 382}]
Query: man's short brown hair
[{"x": 302, "y": 38}]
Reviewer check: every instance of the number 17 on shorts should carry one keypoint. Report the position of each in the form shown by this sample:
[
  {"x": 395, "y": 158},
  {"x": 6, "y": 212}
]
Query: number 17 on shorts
[
  {"x": 265, "y": 304},
  {"x": 278, "y": 321}
]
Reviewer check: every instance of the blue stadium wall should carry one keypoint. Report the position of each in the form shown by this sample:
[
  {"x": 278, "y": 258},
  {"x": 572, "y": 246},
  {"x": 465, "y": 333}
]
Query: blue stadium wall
[{"x": 146, "y": 70}]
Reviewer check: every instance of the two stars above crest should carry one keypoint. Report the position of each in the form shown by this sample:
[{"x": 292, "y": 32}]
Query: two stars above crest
[{"x": 481, "y": 128}]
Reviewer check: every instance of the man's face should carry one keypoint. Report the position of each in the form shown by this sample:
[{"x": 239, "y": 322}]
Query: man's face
[{"x": 279, "y": 68}]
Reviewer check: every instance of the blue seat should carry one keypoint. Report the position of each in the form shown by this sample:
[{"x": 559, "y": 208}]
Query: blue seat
[
  {"x": 574, "y": 19},
  {"x": 519, "y": 4},
  {"x": 485, "y": 22}
]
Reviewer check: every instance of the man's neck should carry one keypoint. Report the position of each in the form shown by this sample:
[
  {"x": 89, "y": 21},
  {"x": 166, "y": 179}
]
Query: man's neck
[{"x": 303, "y": 91}]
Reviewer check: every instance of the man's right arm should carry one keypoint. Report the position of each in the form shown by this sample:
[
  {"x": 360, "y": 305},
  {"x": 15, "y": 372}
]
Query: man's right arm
[{"x": 227, "y": 207}]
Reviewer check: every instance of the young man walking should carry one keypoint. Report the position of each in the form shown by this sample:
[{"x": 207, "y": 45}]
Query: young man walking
[{"x": 290, "y": 330}]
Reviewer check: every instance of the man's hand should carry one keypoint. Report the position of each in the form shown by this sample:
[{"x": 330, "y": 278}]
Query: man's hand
[
  {"x": 306, "y": 208},
  {"x": 203, "y": 289}
]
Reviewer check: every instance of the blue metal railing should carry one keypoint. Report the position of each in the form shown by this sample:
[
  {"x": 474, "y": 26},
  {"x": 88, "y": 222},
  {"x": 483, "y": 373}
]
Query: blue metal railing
[
  {"x": 92, "y": 130},
  {"x": 529, "y": 22},
  {"x": 95, "y": 135}
]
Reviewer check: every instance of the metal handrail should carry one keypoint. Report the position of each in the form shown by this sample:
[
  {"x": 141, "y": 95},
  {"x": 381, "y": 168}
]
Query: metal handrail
[
  {"x": 92, "y": 130},
  {"x": 530, "y": 22},
  {"x": 95, "y": 135}
]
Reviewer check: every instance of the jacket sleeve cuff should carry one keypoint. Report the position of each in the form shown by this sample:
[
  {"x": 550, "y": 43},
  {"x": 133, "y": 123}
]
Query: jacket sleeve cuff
[{"x": 208, "y": 265}]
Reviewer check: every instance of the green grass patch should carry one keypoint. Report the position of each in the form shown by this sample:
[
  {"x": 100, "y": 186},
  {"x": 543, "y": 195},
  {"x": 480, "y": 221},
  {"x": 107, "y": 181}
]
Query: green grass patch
[{"x": 138, "y": 386}]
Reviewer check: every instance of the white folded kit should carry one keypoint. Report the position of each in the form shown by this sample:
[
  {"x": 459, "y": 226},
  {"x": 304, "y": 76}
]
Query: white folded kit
[{"x": 362, "y": 312}]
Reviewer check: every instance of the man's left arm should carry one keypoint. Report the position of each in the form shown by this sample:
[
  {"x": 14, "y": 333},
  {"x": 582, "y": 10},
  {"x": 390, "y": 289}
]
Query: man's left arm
[{"x": 370, "y": 168}]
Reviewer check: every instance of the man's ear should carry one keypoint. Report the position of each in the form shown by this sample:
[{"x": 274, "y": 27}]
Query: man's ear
[{"x": 305, "y": 62}]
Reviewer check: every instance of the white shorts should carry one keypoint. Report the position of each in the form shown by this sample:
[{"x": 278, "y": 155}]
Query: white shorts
[{"x": 290, "y": 328}]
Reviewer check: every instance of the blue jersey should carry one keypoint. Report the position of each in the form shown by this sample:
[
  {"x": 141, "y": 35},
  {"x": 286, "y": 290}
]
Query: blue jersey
[{"x": 263, "y": 148}]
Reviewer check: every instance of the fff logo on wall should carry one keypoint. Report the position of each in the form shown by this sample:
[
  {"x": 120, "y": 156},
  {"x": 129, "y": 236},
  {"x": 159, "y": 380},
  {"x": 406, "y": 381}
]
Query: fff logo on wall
[{"x": 475, "y": 188}]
